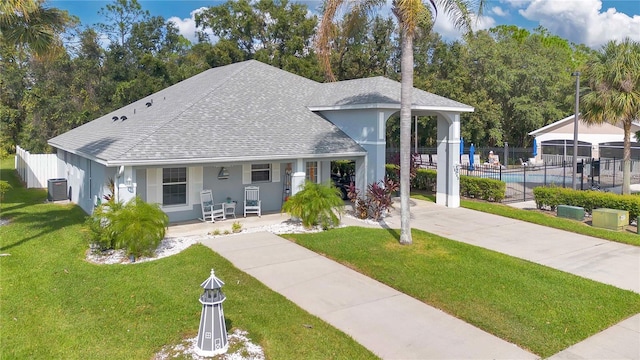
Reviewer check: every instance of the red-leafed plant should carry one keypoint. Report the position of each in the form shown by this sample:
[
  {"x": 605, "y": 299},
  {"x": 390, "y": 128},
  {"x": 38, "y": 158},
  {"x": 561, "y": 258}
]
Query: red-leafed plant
[{"x": 376, "y": 202}]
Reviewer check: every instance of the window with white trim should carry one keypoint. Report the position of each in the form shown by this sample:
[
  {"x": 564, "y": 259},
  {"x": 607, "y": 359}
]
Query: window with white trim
[
  {"x": 174, "y": 186},
  {"x": 260, "y": 173},
  {"x": 312, "y": 171}
]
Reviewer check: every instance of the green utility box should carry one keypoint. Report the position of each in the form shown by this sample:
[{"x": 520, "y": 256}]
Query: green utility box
[
  {"x": 611, "y": 219},
  {"x": 571, "y": 212}
]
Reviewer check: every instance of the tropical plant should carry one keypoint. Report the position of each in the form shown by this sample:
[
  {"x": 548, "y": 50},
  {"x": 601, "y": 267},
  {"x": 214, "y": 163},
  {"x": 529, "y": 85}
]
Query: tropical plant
[
  {"x": 413, "y": 16},
  {"x": 376, "y": 202},
  {"x": 137, "y": 226},
  {"x": 30, "y": 23},
  {"x": 316, "y": 204},
  {"x": 100, "y": 225},
  {"x": 613, "y": 96},
  {"x": 140, "y": 226}
]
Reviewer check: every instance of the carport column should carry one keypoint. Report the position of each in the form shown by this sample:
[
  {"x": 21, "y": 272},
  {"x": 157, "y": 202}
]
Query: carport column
[
  {"x": 448, "y": 177},
  {"x": 361, "y": 173}
]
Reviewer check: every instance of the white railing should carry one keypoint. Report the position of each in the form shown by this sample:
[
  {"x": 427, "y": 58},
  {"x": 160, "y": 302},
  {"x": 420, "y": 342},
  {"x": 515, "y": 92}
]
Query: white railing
[{"x": 35, "y": 169}]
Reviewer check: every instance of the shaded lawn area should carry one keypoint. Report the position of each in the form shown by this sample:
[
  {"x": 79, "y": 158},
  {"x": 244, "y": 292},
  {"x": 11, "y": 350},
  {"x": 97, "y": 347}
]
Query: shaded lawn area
[
  {"x": 539, "y": 308},
  {"x": 55, "y": 305}
]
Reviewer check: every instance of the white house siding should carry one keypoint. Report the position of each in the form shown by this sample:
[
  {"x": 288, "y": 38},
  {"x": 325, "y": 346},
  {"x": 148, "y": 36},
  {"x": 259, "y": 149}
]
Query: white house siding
[{"x": 86, "y": 179}]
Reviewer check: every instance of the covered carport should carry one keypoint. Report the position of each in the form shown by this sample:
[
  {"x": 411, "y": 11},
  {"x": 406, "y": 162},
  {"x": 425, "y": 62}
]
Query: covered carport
[{"x": 361, "y": 109}]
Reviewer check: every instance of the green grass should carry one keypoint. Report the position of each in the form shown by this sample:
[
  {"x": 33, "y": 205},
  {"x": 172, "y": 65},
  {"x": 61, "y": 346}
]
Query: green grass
[
  {"x": 538, "y": 308},
  {"x": 539, "y": 218},
  {"x": 56, "y": 305}
]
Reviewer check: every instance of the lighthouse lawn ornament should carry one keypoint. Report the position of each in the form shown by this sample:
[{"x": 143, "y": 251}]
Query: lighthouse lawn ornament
[{"x": 212, "y": 334}]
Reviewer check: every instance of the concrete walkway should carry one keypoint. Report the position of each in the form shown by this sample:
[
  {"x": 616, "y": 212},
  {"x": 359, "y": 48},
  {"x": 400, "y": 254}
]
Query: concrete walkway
[{"x": 396, "y": 326}]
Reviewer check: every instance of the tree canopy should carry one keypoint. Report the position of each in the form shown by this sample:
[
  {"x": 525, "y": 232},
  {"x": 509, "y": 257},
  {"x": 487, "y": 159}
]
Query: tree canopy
[{"x": 517, "y": 80}]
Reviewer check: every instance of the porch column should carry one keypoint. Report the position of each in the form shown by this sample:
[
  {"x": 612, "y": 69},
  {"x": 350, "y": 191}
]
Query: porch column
[
  {"x": 298, "y": 177},
  {"x": 126, "y": 184},
  {"x": 448, "y": 168}
]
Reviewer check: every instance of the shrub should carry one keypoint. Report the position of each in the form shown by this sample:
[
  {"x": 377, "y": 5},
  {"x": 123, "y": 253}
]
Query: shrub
[
  {"x": 551, "y": 196},
  {"x": 377, "y": 200},
  {"x": 393, "y": 169},
  {"x": 425, "y": 180},
  {"x": 4, "y": 187},
  {"x": 100, "y": 225},
  {"x": 316, "y": 204},
  {"x": 236, "y": 227},
  {"x": 481, "y": 188},
  {"x": 137, "y": 226}
]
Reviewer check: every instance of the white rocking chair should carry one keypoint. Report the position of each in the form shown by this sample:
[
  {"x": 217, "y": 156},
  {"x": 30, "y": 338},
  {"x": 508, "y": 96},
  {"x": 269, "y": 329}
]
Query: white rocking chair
[
  {"x": 210, "y": 210},
  {"x": 252, "y": 203}
]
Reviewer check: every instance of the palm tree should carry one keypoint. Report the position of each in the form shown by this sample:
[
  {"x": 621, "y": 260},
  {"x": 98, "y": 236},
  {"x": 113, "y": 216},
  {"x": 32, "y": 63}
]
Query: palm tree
[
  {"x": 412, "y": 15},
  {"x": 613, "y": 77},
  {"x": 30, "y": 23}
]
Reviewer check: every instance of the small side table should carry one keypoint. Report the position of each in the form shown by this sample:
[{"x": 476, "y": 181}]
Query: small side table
[{"x": 229, "y": 209}]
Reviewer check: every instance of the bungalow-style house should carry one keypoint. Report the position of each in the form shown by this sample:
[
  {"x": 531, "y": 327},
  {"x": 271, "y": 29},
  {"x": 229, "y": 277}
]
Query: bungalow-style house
[{"x": 245, "y": 124}]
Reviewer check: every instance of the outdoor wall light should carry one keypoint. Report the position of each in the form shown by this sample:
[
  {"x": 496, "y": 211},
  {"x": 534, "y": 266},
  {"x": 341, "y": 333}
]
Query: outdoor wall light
[
  {"x": 129, "y": 184},
  {"x": 224, "y": 173}
]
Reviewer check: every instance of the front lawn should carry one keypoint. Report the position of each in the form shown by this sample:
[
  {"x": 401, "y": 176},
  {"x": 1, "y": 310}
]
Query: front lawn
[
  {"x": 539, "y": 308},
  {"x": 56, "y": 305}
]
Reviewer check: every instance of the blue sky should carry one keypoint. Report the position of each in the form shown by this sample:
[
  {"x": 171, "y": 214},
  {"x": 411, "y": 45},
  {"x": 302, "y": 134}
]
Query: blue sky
[{"x": 589, "y": 22}]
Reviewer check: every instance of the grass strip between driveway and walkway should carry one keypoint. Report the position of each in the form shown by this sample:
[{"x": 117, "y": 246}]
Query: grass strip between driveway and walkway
[
  {"x": 538, "y": 308},
  {"x": 542, "y": 218},
  {"x": 56, "y": 305}
]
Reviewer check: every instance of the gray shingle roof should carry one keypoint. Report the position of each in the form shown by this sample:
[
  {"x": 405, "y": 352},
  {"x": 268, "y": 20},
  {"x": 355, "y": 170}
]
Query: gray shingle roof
[
  {"x": 242, "y": 111},
  {"x": 377, "y": 90}
]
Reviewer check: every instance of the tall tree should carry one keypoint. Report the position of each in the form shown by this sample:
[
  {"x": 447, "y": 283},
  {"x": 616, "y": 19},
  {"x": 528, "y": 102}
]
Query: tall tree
[
  {"x": 413, "y": 16},
  {"x": 29, "y": 23},
  {"x": 276, "y": 32},
  {"x": 613, "y": 78},
  {"x": 363, "y": 47},
  {"x": 120, "y": 16}
]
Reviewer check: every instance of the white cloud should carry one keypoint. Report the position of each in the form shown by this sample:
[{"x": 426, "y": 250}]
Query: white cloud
[
  {"x": 497, "y": 10},
  {"x": 581, "y": 21},
  {"x": 187, "y": 26},
  {"x": 447, "y": 30}
]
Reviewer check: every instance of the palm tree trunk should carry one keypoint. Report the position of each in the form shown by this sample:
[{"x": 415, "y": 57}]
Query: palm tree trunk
[
  {"x": 626, "y": 170},
  {"x": 405, "y": 136}
]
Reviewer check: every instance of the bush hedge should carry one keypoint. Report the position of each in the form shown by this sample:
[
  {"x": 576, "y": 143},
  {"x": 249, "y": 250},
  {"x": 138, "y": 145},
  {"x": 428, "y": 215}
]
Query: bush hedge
[
  {"x": 551, "y": 196},
  {"x": 479, "y": 188}
]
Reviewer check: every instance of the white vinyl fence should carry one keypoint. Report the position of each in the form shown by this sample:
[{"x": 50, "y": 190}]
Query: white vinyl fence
[{"x": 36, "y": 169}]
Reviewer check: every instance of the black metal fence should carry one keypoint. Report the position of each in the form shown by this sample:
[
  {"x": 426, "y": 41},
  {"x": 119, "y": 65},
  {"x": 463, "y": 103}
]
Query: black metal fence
[
  {"x": 507, "y": 155},
  {"x": 593, "y": 174}
]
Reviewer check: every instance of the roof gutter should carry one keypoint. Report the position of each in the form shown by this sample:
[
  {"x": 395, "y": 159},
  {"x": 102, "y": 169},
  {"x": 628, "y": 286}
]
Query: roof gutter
[
  {"x": 389, "y": 106},
  {"x": 161, "y": 162}
]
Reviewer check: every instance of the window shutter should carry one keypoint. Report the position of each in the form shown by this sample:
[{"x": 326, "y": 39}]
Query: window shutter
[
  {"x": 275, "y": 172},
  {"x": 194, "y": 184},
  {"x": 153, "y": 185},
  {"x": 246, "y": 174}
]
